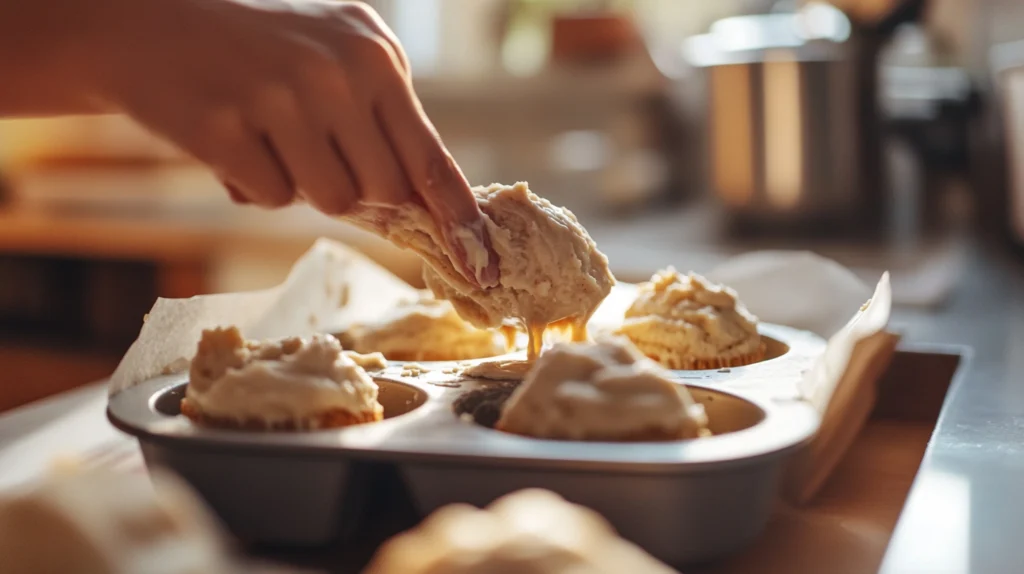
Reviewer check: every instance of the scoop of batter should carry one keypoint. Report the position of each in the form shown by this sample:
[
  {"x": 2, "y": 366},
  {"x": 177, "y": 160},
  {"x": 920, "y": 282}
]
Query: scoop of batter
[{"x": 551, "y": 272}]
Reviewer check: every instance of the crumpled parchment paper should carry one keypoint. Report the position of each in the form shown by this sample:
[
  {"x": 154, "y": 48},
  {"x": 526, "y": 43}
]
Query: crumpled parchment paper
[{"x": 329, "y": 287}]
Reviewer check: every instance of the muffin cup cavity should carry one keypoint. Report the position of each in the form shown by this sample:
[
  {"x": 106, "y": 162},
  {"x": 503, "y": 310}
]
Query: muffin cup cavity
[
  {"x": 726, "y": 413},
  {"x": 399, "y": 398},
  {"x": 773, "y": 348},
  {"x": 395, "y": 398}
]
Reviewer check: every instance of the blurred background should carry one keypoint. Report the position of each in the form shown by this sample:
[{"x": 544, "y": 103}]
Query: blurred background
[{"x": 882, "y": 133}]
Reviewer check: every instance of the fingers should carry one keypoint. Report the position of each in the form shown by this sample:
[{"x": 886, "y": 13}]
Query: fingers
[
  {"x": 234, "y": 193},
  {"x": 431, "y": 170},
  {"x": 474, "y": 253},
  {"x": 434, "y": 175},
  {"x": 374, "y": 24},
  {"x": 381, "y": 178},
  {"x": 320, "y": 172},
  {"x": 378, "y": 176},
  {"x": 240, "y": 156}
]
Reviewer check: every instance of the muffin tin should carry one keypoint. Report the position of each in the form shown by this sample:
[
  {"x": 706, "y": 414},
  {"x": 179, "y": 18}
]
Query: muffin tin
[{"x": 683, "y": 501}]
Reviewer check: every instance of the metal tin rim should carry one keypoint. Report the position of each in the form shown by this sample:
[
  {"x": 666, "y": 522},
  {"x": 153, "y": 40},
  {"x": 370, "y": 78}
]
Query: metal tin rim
[{"x": 432, "y": 433}]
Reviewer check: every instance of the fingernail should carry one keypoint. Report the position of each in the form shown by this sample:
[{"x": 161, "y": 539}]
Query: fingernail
[
  {"x": 489, "y": 274},
  {"x": 472, "y": 247},
  {"x": 458, "y": 251}
]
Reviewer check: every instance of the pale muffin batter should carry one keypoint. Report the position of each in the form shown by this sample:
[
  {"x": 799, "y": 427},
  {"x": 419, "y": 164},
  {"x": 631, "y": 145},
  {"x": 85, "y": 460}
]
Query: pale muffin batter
[
  {"x": 600, "y": 391},
  {"x": 425, "y": 329},
  {"x": 527, "y": 532},
  {"x": 550, "y": 269},
  {"x": 290, "y": 383},
  {"x": 688, "y": 322},
  {"x": 368, "y": 361},
  {"x": 500, "y": 370}
]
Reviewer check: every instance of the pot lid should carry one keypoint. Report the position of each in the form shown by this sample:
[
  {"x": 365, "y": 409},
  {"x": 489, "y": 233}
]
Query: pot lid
[{"x": 816, "y": 31}]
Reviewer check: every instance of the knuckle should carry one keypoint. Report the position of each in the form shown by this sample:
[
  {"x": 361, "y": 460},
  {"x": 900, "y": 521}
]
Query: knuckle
[
  {"x": 316, "y": 63},
  {"x": 358, "y": 10},
  {"x": 214, "y": 131},
  {"x": 403, "y": 60},
  {"x": 320, "y": 70},
  {"x": 274, "y": 98},
  {"x": 218, "y": 125},
  {"x": 376, "y": 50}
]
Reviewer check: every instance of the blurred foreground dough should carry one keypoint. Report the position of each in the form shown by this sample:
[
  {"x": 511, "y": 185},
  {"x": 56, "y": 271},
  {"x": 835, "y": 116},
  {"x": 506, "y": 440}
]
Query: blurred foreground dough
[
  {"x": 100, "y": 523},
  {"x": 527, "y": 532}
]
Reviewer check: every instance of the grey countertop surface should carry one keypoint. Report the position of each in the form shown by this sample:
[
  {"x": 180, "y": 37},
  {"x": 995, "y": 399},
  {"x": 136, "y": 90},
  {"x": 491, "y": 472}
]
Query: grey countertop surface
[{"x": 965, "y": 511}]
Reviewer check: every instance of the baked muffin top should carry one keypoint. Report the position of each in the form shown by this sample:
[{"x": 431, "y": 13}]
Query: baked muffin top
[{"x": 692, "y": 316}]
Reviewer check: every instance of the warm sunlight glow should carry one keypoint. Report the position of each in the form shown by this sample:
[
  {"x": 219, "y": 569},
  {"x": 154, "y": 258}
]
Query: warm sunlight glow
[
  {"x": 783, "y": 135},
  {"x": 732, "y": 128}
]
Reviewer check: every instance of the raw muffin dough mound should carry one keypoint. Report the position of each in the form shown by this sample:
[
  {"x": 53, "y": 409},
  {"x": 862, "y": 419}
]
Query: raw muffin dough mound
[
  {"x": 689, "y": 322},
  {"x": 284, "y": 384},
  {"x": 500, "y": 369},
  {"x": 526, "y": 532},
  {"x": 605, "y": 391},
  {"x": 550, "y": 269},
  {"x": 110, "y": 523},
  {"x": 424, "y": 329}
]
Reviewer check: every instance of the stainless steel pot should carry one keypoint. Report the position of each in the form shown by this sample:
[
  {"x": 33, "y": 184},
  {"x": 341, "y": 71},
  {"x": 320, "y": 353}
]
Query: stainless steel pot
[
  {"x": 792, "y": 132},
  {"x": 1007, "y": 63}
]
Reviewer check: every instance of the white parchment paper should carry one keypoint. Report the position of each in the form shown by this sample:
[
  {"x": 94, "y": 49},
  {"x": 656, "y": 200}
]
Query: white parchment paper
[
  {"x": 332, "y": 285},
  {"x": 329, "y": 287}
]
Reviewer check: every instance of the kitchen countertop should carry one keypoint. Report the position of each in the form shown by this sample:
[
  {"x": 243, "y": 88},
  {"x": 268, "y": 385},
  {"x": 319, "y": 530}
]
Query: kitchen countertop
[
  {"x": 963, "y": 514},
  {"x": 966, "y": 509}
]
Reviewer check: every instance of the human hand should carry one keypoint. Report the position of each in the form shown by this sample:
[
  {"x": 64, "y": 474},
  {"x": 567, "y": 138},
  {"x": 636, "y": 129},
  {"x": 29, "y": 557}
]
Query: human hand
[{"x": 289, "y": 98}]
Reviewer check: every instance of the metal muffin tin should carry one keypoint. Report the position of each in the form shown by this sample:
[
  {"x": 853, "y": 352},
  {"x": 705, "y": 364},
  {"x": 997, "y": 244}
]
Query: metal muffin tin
[{"x": 683, "y": 501}]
